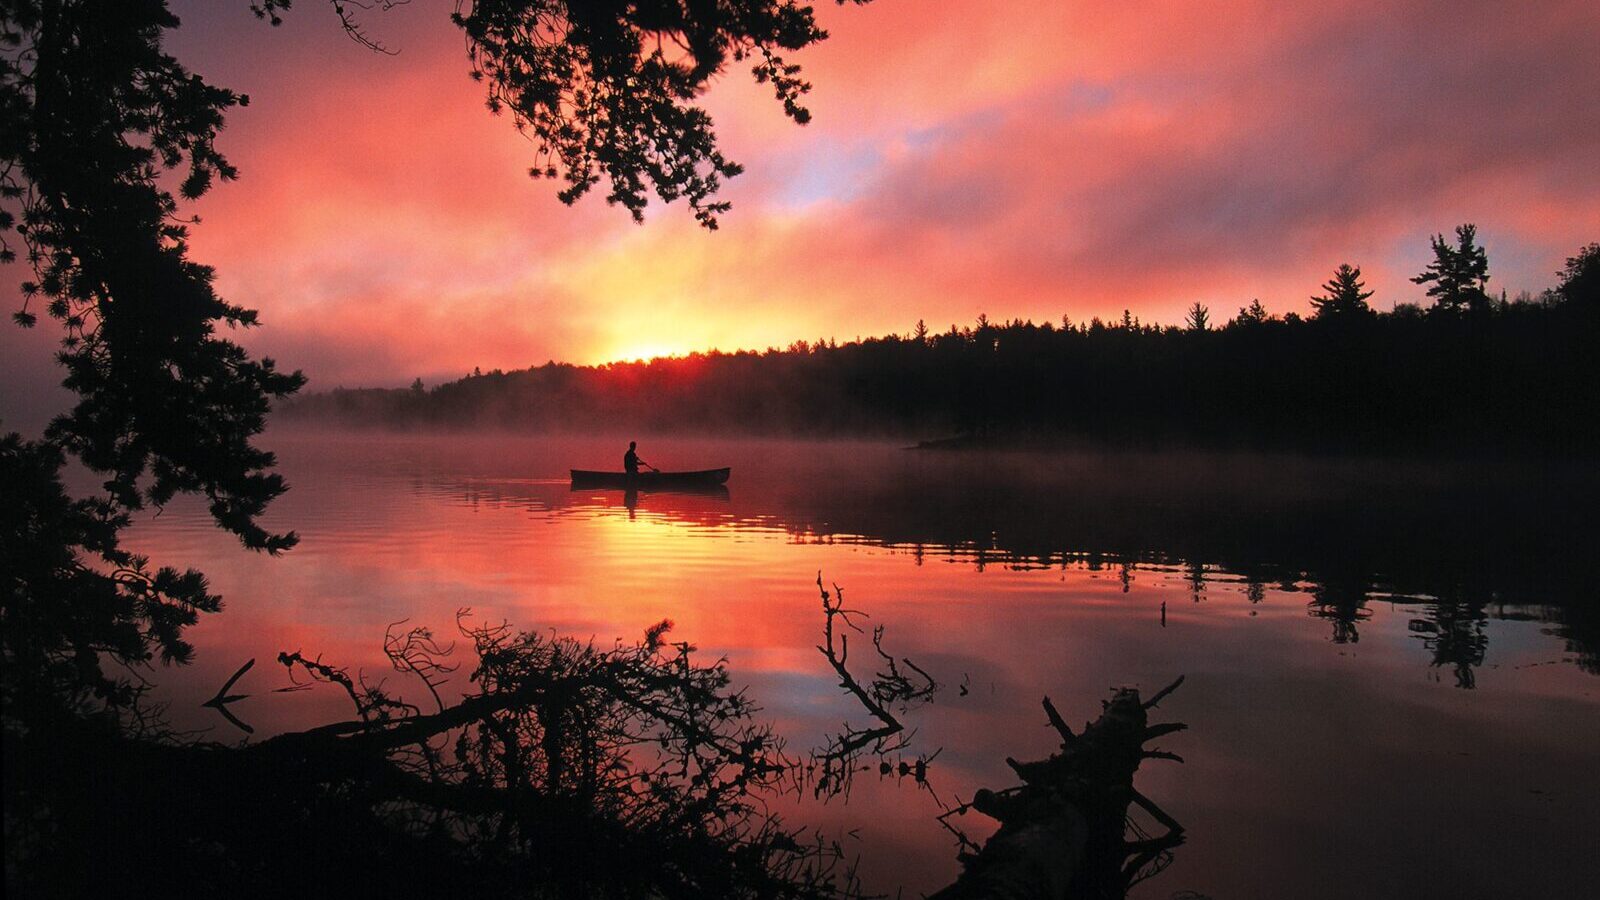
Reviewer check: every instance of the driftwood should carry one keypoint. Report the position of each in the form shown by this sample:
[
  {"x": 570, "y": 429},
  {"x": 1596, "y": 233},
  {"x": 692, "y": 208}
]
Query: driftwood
[{"x": 1065, "y": 831}]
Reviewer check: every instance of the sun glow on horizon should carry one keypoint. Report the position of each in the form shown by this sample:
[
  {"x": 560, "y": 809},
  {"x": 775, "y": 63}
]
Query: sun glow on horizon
[
  {"x": 646, "y": 351},
  {"x": 1015, "y": 180}
]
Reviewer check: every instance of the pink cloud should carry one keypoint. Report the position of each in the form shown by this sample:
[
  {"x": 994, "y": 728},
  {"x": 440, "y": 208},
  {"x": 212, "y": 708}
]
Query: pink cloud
[{"x": 1020, "y": 160}]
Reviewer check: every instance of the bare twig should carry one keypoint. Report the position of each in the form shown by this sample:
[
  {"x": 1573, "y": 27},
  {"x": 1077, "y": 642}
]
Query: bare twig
[
  {"x": 892, "y": 689},
  {"x": 223, "y": 698},
  {"x": 1160, "y": 695}
]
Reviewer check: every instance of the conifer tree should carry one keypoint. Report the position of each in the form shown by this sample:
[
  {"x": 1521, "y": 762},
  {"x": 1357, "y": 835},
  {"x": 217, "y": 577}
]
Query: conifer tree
[
  {"x": 1254, "y": 314},
  {"x": 1343, "y": 294},
  {"x": 1458, "y": 274},
  {"x": 1580, "y": 280}
]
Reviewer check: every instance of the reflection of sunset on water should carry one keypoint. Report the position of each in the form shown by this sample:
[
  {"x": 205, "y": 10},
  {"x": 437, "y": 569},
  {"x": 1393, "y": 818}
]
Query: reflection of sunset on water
[{"x": 419, "y": 528}]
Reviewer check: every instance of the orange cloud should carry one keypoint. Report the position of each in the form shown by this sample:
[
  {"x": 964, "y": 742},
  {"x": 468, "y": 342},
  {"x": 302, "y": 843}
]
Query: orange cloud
[{"x": 1014, "y": 159}]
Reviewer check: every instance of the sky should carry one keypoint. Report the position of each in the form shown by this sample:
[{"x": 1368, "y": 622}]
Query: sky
[{"x": 1016, "y": 159}]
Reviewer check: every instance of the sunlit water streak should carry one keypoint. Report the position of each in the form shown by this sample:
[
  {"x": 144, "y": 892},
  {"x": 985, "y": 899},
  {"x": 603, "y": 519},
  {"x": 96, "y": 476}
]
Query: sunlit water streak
[{"x": 1331, "y": 753}]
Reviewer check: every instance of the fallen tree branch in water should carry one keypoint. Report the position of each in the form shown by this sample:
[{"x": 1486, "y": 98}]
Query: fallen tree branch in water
[
  {"x": 890, "y": 691},
  {"x": 1064, "y": 830},
  {"x": 571, "y": 770},
  {"x": 636, "y": 759}
]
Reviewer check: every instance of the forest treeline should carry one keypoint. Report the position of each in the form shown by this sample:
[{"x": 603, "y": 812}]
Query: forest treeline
[{"x": 1469, "y": 372}]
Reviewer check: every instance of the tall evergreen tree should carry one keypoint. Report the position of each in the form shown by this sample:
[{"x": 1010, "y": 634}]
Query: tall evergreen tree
[
  {"x": 1342, "y": 294},
  {"x": 1458, "y": 274},
  {"x": 1580, "y": 280},
  {"x": 1199, "y": 317},
  {"x": 1254, "y": 314}
]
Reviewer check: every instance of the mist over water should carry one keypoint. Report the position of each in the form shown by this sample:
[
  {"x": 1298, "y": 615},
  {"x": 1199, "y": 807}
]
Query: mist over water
[{"x": 1392, "y": 681}]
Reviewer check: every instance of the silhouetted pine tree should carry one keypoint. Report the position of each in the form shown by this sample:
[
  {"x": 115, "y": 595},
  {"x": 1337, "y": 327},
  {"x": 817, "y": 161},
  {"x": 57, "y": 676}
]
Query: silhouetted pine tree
[
  {"x": 1580, "y": 280},
  {"x": 1343, "y": 294},
  {"x": 1254, "y": 314},
  {"x": 1459, "y": 274}
]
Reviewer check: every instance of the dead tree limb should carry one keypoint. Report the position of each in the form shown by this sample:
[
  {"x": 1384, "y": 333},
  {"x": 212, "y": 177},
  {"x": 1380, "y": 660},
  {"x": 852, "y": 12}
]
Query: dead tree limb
[
  {"x": 1064, "y": 832},
  {"x": 893, "y": 690},
  {"x": 1058, "y": 723}
]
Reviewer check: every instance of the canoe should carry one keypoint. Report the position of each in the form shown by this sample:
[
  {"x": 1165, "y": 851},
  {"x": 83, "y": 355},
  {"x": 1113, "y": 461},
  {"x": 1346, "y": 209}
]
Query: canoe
[{"x": 645, "y": 481}]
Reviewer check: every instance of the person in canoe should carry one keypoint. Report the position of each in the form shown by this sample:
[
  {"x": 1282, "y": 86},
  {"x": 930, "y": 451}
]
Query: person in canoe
[{"x": 631, "y": 461}]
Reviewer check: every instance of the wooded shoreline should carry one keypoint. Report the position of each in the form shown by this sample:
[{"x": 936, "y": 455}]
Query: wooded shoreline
[{"x": 1518, "y": 379}]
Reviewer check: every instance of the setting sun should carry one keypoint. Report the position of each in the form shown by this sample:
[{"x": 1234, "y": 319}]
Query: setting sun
[{"x": 646, "y": 351}]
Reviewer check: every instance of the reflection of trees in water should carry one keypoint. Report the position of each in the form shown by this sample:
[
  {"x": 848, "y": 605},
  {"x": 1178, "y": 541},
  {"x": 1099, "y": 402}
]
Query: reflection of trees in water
[
  {"x": 1032, "y": 537},
  {"x": 1195, "y": 574},
  {"x": 1453, "y": 631},
  {"x": 1255, "y": 590},
  {"x": 1344, "y": 602},
  {"x": 1341, "y": 585},
  {"x": 1342, "y": 532},
  {"x": 566, "y": 769},
  {"x": 1272, "y": 539},
  {"x": 1579, "y": 628}
]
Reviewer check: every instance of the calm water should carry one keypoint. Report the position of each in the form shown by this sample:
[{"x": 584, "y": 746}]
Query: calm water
[{"x": 1393, "y": 671}]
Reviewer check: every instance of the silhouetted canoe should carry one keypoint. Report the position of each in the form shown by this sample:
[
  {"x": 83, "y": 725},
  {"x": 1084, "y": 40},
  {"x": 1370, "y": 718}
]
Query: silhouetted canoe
[{"x": 645, "y": 481}]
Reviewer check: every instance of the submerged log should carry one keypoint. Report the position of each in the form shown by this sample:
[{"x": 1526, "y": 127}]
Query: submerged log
[{"x": 1064, "y": 830}]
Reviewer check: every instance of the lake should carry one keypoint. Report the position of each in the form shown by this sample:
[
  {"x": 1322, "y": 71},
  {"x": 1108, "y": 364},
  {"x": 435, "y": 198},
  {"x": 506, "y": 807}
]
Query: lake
[{"x": 1392, "y": 667}]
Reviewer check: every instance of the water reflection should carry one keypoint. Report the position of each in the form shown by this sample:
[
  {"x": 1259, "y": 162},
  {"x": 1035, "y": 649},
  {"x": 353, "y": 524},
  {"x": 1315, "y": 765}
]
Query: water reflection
[
  {"x": 1450, "y": 586},
  {"x": 631, "y": 497},
  {"x": 1330, "y": 620},
  {"x": 1344, "y": 602},
  {"x": 1454, "y": 633}
]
